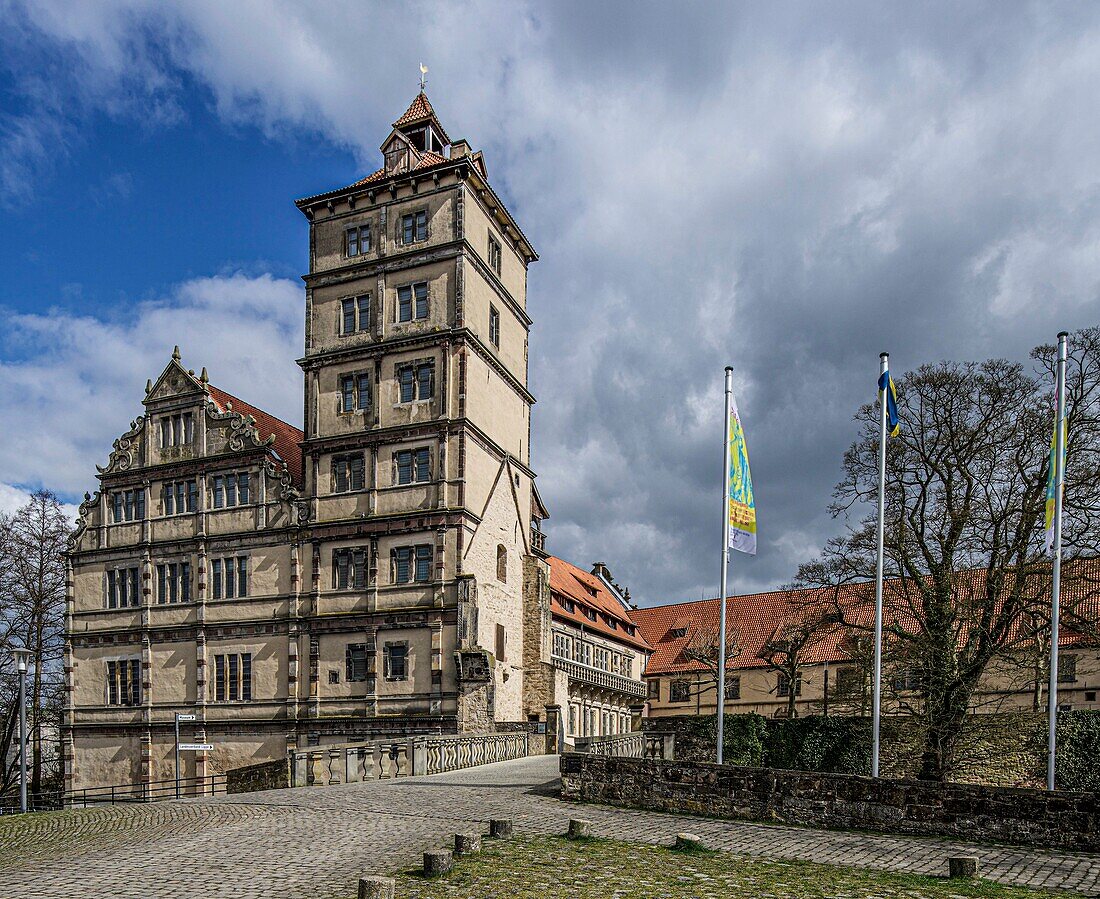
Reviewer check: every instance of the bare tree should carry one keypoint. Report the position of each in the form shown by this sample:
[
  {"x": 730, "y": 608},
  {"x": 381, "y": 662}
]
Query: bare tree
[
  {"x": 784, "y": 653},
  {"x": 702, "y": 648},
  {"x": 964, "y": 518},
  {"x": 32, "y": 569}
]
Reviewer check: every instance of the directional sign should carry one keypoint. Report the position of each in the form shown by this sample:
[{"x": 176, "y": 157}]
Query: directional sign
[
  {"x": 187, "y": 717},
  {"x": 197, "y": 747}
]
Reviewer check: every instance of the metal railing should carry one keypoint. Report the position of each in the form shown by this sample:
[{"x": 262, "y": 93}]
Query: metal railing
[
  {"x": 597, "y": 677},
  {"x": 115, "y": 794},
  {"x": 386, "y": 759}
]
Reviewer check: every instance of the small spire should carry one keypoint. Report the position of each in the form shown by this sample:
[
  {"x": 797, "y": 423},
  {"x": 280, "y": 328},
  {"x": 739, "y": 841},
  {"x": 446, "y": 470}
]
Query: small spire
[
  {"x": 149, "y": 385},
  {"x": 204, "y": 377},
  {"x": 176, "y": 353}
]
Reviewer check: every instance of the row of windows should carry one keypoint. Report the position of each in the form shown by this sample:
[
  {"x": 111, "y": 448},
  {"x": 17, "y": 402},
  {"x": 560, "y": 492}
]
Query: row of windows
[
  {"x": 592, "y": 654},
  {"x": 181, "y": 497},
  {"x": 413, "y": 228},
  {"x": 416, "y": 383},
  {"x": 412, "y": 305},
  {"x": 411, "y": 466},
  {"x": 233, "y": 673}
]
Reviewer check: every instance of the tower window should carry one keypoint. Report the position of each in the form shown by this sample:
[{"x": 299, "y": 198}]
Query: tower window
[
  {"x": 412, "y": 302},
  {"x": 414, "y": 226},
  {"x": 355, "y": 392},
  {"x": 502, "y": 563},
  {"x": 414, "y": 466},
  {"x": 123, "y": 588},
  {"x": 494, "y": 326},
  {"x": 416, "y": 382},
  {"x": 494, "y": 253},
  {"x": 355, "y": 662},
  {"x": 349, "y": 569},
  {"x": 412, "y": 564},
  {"x": 357, "y": 241},
  {"x": 355, "y": 314},
  {"x": 124, "y": 682},
  {"x": 173, "y": 582},
  {"x": 348, "y": 473},
  {"x": 396, "y": 661}
]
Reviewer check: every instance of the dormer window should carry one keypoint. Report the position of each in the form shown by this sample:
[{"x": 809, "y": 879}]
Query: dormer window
[
  {"x": 396, "y": 157},
  {"x": 677, "y": 633}
]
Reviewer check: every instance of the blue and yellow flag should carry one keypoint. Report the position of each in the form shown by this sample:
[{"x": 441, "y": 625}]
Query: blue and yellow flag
[
  {"x": 741, "y": 505},
  {"x": 893, "y": 424},
  {"x": 1052, "y": 479}
]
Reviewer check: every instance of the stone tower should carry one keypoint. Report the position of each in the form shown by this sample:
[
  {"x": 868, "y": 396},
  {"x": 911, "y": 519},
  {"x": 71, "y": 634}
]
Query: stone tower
[{"x": 417, "y": 443}]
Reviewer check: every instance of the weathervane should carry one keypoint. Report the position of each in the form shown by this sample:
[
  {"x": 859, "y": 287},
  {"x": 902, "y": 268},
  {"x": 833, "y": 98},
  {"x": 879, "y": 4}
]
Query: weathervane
[{"x": 423, "y": 76}]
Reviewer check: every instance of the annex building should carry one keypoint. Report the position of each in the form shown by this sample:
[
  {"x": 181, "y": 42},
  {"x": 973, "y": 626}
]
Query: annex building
[{"x": 379, "y": 570}]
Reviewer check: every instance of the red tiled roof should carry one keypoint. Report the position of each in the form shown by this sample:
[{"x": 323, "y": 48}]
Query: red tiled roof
[
  {"x": 288, "y": 438},
  {"x": 588, "y": 591},
  {"x": 427, "y": 160},
  {"x": 756, "y": 619},
  {"x": 420, "y": 110}
]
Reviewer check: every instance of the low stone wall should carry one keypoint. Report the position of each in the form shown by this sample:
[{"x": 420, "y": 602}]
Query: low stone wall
[
  {"x": 264, "y": 776},
  {"x": 1060, "y": 820}
]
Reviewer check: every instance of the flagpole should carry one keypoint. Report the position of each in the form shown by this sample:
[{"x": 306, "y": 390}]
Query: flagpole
[
  {"x": 1059, "y": 479},
  {"x": 876, "y": 698},
  {"x": 721, "y": 698}
]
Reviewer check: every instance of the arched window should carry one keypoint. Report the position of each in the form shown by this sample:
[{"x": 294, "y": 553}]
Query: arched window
[{"x": 502, "y": 563}]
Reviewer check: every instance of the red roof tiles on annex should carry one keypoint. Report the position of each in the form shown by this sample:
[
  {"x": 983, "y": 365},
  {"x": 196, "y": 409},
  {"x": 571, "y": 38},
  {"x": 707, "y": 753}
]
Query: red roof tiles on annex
[
  {"x": 585, "y": 589},
  {"x": 288, "y": 438}
]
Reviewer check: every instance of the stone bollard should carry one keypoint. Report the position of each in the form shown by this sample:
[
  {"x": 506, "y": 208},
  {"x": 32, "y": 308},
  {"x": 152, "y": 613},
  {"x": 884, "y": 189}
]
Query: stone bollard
[
  {"x": 376, "y": 888},
  {"x": 438, "y": 861},
  {"x": 500, "y": 828},
  {"x": 467, "y": 843},
  {"x": 579, "y": 829},
  {"x": 962, "y": 866},
  {"x": 688, "y": 842}
]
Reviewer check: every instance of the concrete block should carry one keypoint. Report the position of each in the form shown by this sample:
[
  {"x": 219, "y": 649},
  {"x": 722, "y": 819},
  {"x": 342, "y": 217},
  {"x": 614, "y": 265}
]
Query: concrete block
[
  {"x": 376, "y": 888},
  {"x": 579, "y": 829},
  {"x": 500, "y": 828},
  {"x": 438, "y": 861},
  {"x": 962, "y": 866},
  {"x": 688, "y": 842},
  {"x": 467, "y": 843}
]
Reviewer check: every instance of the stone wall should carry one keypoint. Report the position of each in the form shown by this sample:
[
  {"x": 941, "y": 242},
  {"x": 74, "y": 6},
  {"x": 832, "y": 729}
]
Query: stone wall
[
  {"x": 264, "y": 776},
  {"x": 1028, "y": 817}
]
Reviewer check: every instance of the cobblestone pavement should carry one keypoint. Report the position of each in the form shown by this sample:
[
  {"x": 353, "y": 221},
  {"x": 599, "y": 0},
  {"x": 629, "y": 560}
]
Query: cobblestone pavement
[{"x": 315, "y": 842}]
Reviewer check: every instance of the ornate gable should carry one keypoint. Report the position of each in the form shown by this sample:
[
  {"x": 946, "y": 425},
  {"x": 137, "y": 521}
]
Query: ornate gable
[{"x": 174, "y": 383}]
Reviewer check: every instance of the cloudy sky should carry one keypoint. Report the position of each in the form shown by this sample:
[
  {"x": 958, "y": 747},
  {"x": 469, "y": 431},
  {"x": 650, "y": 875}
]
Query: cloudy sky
[{"x": 785, "y": 188}]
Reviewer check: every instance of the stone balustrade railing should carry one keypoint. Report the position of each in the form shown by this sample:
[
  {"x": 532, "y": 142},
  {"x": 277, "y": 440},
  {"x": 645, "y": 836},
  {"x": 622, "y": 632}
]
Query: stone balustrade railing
[
  {"x": 597, "y": 677},
  {"x": 384, "y": 759},
  {"x": 637, "y": 745}
]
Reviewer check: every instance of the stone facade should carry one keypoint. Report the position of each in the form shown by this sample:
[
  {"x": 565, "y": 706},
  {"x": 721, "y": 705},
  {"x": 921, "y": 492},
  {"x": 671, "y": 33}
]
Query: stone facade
[
  {"x": 369, "y": 580},
  {"x": 997, "y": 814}
]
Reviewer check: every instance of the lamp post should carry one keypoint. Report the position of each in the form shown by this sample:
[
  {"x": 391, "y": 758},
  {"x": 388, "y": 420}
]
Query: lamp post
[{"x": 21, "y": 656}]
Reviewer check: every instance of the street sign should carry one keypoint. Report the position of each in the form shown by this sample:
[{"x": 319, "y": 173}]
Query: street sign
[
  {"x": 187, "y": 717},
  {"x": 197, "y": 747}
]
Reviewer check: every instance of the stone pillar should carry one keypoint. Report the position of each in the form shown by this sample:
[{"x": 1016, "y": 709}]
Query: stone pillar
[{"x": 555, "y": 737}]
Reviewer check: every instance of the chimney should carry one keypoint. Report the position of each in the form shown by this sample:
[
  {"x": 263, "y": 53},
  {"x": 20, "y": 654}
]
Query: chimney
[
  {"x": 459, "y": 148},
  {"x": 601, "y": 571}
]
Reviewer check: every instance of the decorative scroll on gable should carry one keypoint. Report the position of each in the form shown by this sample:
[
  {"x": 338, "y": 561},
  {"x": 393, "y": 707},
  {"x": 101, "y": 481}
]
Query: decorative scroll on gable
[
  {"x": 83, "y": 517},
  {"x": 127, "y": 449}
]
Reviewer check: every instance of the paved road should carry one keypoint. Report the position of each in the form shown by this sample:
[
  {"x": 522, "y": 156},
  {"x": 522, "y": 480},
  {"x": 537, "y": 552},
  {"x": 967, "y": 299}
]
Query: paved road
[{"x": 315, "y": 842}]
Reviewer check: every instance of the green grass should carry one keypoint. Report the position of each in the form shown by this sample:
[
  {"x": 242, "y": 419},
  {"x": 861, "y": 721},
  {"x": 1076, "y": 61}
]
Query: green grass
[{"x": 548, "y": 867}]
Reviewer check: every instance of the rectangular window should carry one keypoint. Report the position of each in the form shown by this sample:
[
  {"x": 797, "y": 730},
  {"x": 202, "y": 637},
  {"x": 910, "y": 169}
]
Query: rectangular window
[
  {"x": 355, "y": 392},
  {"x": 177, "y": 430},
  {"x": 233, "y": 677},
  {"x": 783, "y": 684},
  {"x": 179, "y": 497},
  {"x": 355, "y": 314},
  {"x": 849, "y": 681},
  {"x": 494, "y": 254},
  {"x": 653, "y": 688},
  {"x": 229, "y": 577},
  {"x": 501, "y": 643},
  {"x": 494, "y": 326},
  {"x": 396, "y": 660},
  {"x": 231, "y": 490},
  {"x": 733, "y": 686},
  {"x": 414, "y": 466},
  {"x": 128, "y": 505},
  {"x": 348, "y": 473},
  {"x": 123, "y": 588},
  {"x": 414, "y": 227},
  {"x": 412, "y": 302},
  {"x": 355, "y": 662},
  {"x": 679, "y": 691},
  {"x": 349, "y": 569},
  {"x": 416, "y": 382},
  {"x": 357, "y": 241},
  {"x": 412, "y": 563},
  {"x": 423, "y": 564},
  {"x": 124, "y": 682},
  {"x": 1067, "y": 669},
  {"x": 173, "y": 582}
]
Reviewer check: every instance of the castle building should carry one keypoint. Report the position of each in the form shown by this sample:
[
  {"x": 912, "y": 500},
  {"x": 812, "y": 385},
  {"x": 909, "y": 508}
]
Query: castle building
[{"x": 376, "y": 572}]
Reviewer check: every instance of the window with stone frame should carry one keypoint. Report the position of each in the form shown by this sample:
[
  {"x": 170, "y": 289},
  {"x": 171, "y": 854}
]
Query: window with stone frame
[
  {"x": 414, "y": 226},
  {"x": 849, "y": 681},
  {"x": 173, "y": 582},
  {"x": 395, "y": 659},
  {"x": 128, "y": 505},
  {"x": 229, "y": 577},
  {"x": 679, "y": 691},
  {"x": 501, "y": 642},
  {"x": 416, "y": 382},
  {"x": 233, "y": 677},
  {"x": 783, "y": 684},
  {"x": 412, "y": 564},
  {"x": 494, "y": 253},
  {"x": 413, "y": 466},
  {"x": 354, "y": 393},
  {"x": 349, "y": 568},
  {"x": 123, "y": 588},
  {"x": 355, "y": 314},
  {"x": 494, "y": 326},
  {"x": 357, "y": 240},
  {"x": 348, "y": 473},
  {"x": 180, "y": 497},
  {"x": 561, "y": 645},
  {"x": 906, "y": 680},
  {"x": 502, "y": 563},
  {"x": 412, "y": 302},
  {"x": 1067, "y": 669},
  {"x": 177, "y": 430},
  {"x": 229, "y": 490},
  {"x": 123, "y": 682},
  {"x": 733, "y": 686},
  {"x": 355, "y": 662},
  {"x": 653, "y": 688}
]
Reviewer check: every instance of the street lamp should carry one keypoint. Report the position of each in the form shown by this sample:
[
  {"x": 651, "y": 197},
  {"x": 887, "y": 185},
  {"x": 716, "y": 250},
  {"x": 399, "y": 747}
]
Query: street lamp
[{"x": 21, "y": 656}]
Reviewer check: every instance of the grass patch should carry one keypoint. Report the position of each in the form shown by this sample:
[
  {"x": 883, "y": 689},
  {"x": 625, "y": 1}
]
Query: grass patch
[{"x": 547, "y": 867}]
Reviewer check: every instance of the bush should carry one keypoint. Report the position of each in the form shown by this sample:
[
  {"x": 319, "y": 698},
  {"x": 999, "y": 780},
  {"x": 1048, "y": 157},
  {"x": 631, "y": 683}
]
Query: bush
[
  {"x": 1077, "y": 765},
  {"x": 818, "y": 743}
]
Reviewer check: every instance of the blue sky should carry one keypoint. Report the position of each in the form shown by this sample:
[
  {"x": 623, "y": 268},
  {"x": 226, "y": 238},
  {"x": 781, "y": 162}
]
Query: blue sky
[{"x": 788, "y": 188}]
